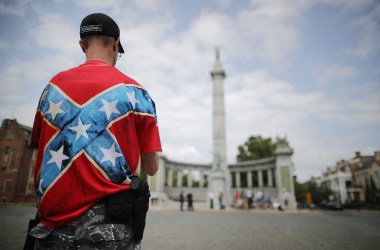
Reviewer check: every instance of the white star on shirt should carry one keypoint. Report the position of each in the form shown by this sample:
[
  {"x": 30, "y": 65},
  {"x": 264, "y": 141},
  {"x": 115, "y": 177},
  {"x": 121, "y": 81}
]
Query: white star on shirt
[
  {"x": 57, "y": 157},
  {"x": 55, "y": 109},
  {"x": 81, "y": 129},
  {"x": 132, "y": 99},
  {"x": 110, "y": 154},
  {"x": 40, "y": 187},
  {"x": 109, "y": 108}
]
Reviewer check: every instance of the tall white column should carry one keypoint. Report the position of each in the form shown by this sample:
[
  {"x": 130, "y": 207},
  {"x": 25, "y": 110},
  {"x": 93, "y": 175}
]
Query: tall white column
[
  {"x": 219, "y": 133},
  {"x": 220, "y": 179}
]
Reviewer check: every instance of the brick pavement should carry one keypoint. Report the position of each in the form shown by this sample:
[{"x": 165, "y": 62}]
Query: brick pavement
[
  {"x": 262, "y": 229},
  {"x": 169, "y": 229}
]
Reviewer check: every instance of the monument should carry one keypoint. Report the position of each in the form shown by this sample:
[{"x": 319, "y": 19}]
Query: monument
[
  {"x": 219, "y": 177},
  {"x": 273, "y": 176}
]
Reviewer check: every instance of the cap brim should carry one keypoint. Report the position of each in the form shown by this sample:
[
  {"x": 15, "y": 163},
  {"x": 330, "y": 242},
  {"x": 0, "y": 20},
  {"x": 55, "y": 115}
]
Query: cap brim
[{"x": 121, "y": 50}]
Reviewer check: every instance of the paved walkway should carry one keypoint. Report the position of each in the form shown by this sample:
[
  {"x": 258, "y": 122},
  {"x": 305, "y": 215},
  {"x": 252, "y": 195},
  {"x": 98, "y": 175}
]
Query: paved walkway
[{"x": 170, "y": 229}]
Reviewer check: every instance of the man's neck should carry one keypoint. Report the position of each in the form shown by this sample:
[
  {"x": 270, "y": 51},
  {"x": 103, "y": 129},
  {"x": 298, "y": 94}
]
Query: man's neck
[
  {"x": 100, "y": 54},
  {"x": 105, "y": 59}
]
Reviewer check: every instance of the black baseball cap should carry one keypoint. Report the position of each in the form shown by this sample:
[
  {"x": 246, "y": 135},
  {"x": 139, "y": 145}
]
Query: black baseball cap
[{"x": 100, "y": 24}]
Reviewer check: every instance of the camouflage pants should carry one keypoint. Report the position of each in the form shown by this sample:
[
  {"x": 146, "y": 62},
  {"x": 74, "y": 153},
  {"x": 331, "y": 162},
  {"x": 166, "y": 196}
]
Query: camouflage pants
[{"x": 89, "y": 231}]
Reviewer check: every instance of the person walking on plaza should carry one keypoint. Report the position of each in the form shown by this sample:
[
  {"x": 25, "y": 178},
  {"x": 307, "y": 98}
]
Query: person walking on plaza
[
  {"x": 221, "y": 205},
  {"x": 249, "y": 195},
  {"x": 190, "y": 202},
  {"x": 92, "y": 127},
  {"x": 211, "y": 198}
]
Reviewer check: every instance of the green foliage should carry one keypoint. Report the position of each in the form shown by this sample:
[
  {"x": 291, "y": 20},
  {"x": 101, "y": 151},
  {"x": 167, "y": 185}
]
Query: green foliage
[
  {"x": 371, "y": 192},
  {"x": 256, "y": 148},
  {"x": 299, "y": 190},
  {"x": 318, "y": 193}
]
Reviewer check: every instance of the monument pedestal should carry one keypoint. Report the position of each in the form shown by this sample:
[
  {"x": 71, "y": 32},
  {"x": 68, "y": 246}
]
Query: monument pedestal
[{"x": 217, "y": 186}]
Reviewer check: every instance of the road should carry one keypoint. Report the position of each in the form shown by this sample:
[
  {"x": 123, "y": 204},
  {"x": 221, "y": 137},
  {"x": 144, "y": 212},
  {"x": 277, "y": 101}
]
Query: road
[{"x": 169, "y": 229}]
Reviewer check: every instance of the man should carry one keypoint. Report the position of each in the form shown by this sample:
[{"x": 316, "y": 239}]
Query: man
[
  {"x": 181, "y": 200},
  {"x": 92, "y": 126}
]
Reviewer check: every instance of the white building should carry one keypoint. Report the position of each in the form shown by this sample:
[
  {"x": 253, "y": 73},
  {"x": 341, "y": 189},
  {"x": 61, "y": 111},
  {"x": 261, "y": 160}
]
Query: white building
[{"x": 348, "y": 178}]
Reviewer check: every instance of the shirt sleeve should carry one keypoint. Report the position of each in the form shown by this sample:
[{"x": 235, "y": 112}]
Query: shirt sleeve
[
  {"x": 147, "y": 127},
  {"x": 37, "y": 124}
]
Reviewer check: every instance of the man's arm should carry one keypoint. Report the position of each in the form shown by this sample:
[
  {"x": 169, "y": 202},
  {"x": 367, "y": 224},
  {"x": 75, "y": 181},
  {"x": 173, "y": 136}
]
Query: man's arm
[{"x": 149, "y": 163}]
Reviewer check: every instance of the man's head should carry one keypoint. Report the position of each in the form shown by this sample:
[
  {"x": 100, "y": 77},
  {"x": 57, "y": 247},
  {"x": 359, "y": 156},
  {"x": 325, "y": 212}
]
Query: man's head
[{"x": 99, "y": 27}]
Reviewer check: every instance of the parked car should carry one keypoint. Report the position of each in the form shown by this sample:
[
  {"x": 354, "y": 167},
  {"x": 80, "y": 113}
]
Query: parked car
[{"x": 331, "y": 205}]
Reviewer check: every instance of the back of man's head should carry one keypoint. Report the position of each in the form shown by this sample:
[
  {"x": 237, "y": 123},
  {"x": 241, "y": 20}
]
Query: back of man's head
[{"x": 99, "y": 24}]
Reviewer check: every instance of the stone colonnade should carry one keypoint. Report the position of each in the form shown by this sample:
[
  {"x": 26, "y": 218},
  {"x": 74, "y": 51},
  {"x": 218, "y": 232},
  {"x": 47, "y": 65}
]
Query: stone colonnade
[
  {"x": 253, "y": 178},
  {"x": 174, "y": 177},
  {"x": 273, "y": 176},
  {"x": 255, "y": 175}
]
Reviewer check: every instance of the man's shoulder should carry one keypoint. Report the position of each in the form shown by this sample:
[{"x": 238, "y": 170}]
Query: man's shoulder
[
  {"x": 108, "y": 74},
  {"x": 124, "y": 78}
]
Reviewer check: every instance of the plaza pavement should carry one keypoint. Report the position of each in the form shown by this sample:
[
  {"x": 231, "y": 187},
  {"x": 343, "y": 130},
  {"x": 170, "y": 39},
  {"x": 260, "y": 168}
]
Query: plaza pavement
[{"x": 169, "y": 229}]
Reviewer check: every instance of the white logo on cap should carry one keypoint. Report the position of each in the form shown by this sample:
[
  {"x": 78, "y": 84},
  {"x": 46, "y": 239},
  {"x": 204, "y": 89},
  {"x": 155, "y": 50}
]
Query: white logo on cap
[{"x": 90, "y": 28}]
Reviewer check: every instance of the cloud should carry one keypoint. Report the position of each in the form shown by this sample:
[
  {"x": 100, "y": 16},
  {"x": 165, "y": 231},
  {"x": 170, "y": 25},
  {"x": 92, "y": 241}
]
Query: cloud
[
  {"x": 54, "y": 31},
  {"x": 20, "y": 90},
  {"x": 332, "y": 74},
  {"x": 369, "y": 37},
  {"x": 17, "y": 8},
  {"x": 261, "y": 104},
  {"x": 3, "y": 45},
  {"x": 265, "y": 22}
]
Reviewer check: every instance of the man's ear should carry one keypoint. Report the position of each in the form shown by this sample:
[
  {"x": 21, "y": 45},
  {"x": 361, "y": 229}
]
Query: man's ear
[
  {"x": 116, "y": 44},
  {"x": 81, "y": 46}
]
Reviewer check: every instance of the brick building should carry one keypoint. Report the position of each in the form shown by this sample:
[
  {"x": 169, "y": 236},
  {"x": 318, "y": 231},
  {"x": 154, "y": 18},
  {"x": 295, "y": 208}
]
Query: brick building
[{"x": 17, "y": 160}]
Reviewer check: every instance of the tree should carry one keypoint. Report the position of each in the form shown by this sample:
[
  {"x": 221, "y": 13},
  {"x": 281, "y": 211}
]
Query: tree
[
  {"x": 319, "y": 193},
  {"x": 256, "y": 148},
  {"x": 299, "y": 190}
]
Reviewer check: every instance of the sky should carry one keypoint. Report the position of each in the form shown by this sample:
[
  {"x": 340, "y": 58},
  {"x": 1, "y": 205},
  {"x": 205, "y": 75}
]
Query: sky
[{"x": 307, "y": 70}]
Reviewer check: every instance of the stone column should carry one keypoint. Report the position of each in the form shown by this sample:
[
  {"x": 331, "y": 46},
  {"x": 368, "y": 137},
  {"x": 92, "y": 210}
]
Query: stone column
[
  {"x": 220, "y": 179},
  {"x": 170, "y": 177},
  {"x": 179, "y": 176},
  {"x": 284, "y": 175},
  {"x": 201, "y": 181},
  {"x": 270, "y": 182},
  {"x": 260, "y": 177},
  {"x": 157, "y": 182},
  {"x": 249, "y": 179},
  {"x": 237, "y": 179},
  {"x": 189, "y": 179}
]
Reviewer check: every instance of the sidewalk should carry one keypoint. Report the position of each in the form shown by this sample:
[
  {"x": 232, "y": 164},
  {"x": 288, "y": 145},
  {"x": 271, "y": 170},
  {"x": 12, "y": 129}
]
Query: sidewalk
[{"x": 171, "y": 205}]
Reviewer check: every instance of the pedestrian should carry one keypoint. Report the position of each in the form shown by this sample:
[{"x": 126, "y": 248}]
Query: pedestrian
[
  {"x": 236, "y": 199},
  {"x": 211, "y": 197},
  {"x": 93, "y": 124},
  {"x": 286, "y": 199},
  {"x": 221, "y": 206},
  {"x": 181, "y": 200},
  {"x": 259, "y": 198},
  {"x": 249, "y": 196},
  {"x": 190, "y": 202}
]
